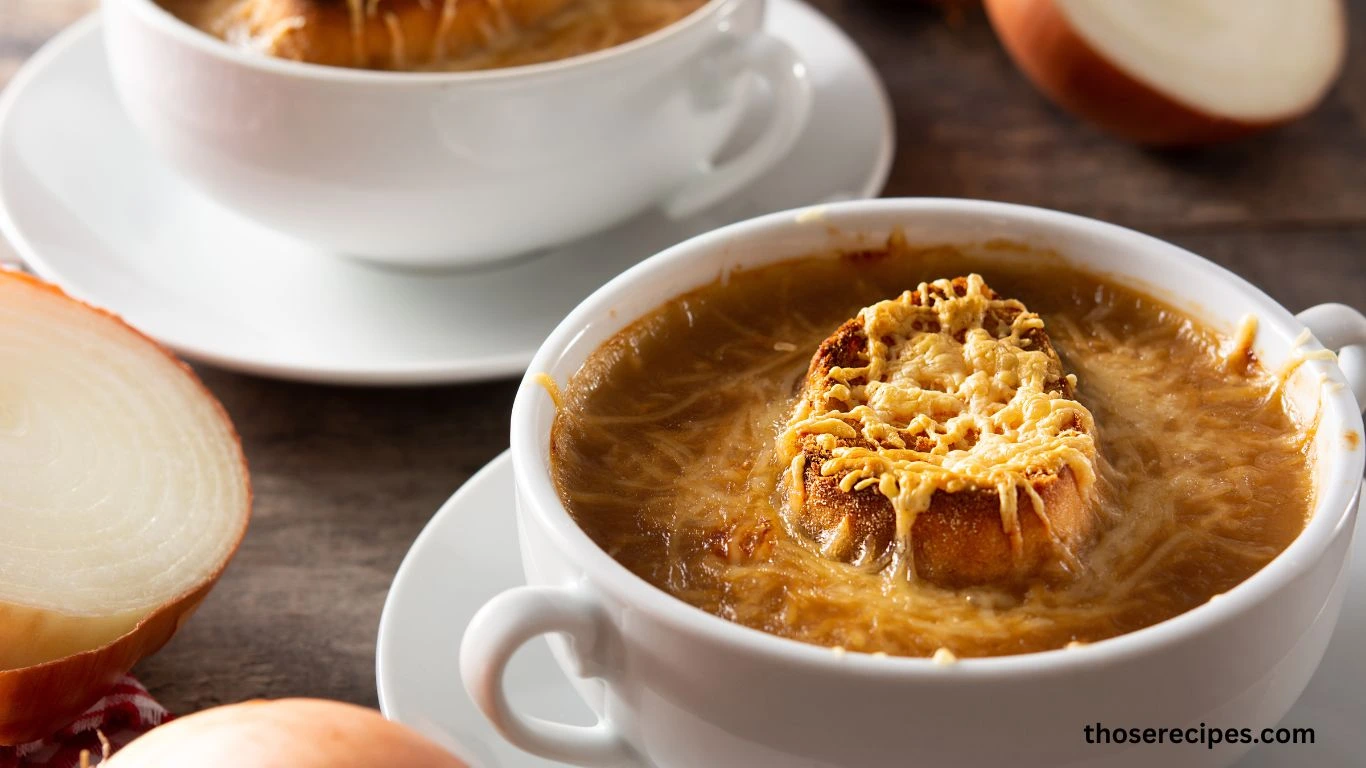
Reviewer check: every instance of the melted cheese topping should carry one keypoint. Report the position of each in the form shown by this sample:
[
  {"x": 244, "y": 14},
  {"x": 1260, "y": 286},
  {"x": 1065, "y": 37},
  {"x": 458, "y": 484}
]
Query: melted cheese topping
[
  {"x": 664, "y": 451},
  {"x": 263, "y": 35},
  {"x": 943, "y": 403}
]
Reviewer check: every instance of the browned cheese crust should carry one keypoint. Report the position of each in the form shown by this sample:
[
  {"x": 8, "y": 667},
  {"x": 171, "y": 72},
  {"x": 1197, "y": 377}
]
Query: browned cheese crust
[{"x": 959, "y": 540}]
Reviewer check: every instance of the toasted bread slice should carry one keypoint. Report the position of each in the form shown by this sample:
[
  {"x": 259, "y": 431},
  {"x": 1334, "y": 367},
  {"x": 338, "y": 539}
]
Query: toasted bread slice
[
  {"x": 949, "y": 443},
  {"x": 372, "y": 34}
]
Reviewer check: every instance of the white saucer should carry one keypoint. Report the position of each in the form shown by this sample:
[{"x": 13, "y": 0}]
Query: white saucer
[
  {"x": 468, "y": 553},
  {"x": 88, "y": 206}
]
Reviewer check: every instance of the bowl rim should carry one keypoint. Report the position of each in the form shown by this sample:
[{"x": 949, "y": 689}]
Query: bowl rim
[
  {"x": 160, "y": 19},
  {"x": 1337, "y": 497}
]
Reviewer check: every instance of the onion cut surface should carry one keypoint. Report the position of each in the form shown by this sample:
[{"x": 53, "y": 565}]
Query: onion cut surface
[
  {"x": 123, "y": 494},
  {"x": 1177, "y": 72}
]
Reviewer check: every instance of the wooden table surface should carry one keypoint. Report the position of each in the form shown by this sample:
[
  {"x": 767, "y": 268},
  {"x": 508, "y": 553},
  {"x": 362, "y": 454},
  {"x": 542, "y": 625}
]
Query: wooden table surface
[{"x": 345, "y": 478}]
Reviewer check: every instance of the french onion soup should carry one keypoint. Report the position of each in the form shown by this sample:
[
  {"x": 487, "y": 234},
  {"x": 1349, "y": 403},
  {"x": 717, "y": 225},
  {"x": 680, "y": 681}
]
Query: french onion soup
[
  {"x": 921, "y": 451},
  {"x": 429, "y": 35}
]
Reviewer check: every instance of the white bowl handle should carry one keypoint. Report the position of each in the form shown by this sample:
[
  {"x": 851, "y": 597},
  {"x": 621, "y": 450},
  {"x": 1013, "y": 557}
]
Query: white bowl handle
[
  {"x": 1343, "y": 330},
  {"x": 502, "y": 626},
  {"x": 776, "y": 62}
]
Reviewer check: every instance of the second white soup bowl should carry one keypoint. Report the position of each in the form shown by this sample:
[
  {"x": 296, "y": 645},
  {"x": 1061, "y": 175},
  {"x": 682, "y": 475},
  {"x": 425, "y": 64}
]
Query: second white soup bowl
[
  {"x": 459, "y": 168},
  {"x": 675, "y": 686}
]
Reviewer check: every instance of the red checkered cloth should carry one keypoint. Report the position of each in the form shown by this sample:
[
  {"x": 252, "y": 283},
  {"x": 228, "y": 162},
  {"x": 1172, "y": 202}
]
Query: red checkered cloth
[{"x": 126, "y": 712}]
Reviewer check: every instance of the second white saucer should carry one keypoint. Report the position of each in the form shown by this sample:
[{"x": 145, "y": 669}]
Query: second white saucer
[{"x": 87, "y": 205}]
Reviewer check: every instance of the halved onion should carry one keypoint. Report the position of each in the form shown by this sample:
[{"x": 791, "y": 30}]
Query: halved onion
[
  {"x": 298, "y": 733},
  {"x": 1177, "y": 72},
  {"x": 123, "y": 493}
]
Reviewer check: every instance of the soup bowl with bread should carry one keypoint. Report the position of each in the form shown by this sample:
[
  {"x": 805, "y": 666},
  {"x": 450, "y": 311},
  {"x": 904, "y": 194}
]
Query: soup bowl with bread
[
  {"x": 444, "y": 133},
  {"x": 927, "y": 482}
]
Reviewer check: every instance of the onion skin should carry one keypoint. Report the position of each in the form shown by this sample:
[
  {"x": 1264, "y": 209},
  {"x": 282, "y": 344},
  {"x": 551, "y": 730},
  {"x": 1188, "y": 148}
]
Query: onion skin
[
  {"x": 1082, "y": 81},
  {"x": 288, "y": 733},
  {"x": 38, "y": 700}
]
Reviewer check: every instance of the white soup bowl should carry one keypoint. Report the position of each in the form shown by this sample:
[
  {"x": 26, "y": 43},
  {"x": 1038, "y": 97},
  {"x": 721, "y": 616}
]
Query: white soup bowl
[
  {"x": 459, "y": 168},
  {"x": 676, "y": 686}
]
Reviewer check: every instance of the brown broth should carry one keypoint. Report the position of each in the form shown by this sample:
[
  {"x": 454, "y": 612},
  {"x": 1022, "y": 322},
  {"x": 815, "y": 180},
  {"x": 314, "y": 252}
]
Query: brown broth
[
  {"x": 663, "y": 452},
  {"x": 429, "y": 35}
]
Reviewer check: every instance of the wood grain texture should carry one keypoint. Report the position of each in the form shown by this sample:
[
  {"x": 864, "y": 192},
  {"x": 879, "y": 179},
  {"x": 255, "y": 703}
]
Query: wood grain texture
[{"x": 345, "y": 478}]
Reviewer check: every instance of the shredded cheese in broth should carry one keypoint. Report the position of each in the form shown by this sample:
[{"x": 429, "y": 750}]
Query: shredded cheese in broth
[
  {"x": 429, "y": 35},
  {"x": 955, "y": 391},
  {"x": 665, "y": 451}
]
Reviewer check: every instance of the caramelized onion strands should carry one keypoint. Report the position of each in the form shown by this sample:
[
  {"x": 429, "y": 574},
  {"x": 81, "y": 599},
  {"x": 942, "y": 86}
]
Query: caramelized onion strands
[
  {"x": 430, "y": 35},
  {"x": 123, "y": 494},
  {"x": 1189, "y": 450}
]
